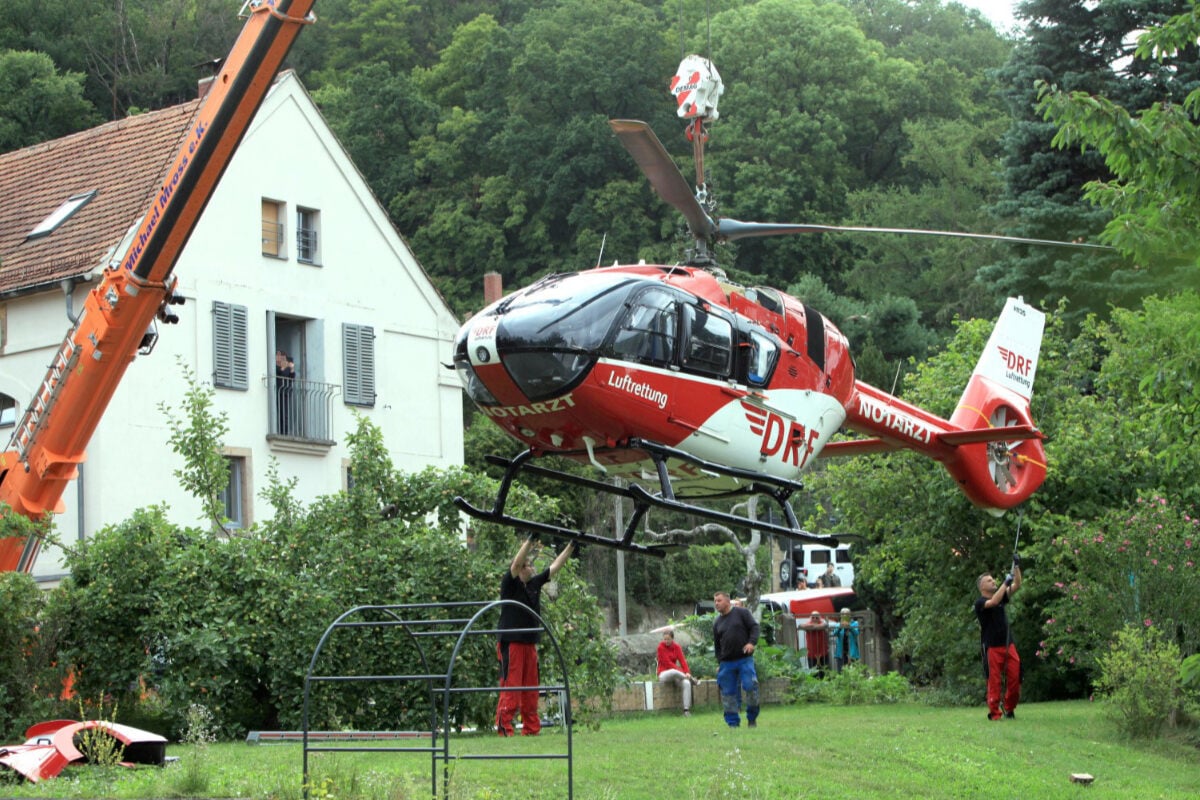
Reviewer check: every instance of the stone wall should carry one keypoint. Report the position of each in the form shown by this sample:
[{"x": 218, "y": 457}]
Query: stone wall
[{"x": 655, "y": 696}]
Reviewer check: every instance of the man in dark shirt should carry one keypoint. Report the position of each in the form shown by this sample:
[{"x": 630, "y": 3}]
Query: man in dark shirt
[
  {"x": 520, "y": 632},
  {"x": 735, "y": 633},
  {"x": 1000, "y": 659}
]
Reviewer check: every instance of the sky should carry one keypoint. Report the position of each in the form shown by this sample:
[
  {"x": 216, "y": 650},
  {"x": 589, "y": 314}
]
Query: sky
[{"x": 1000, "y": 12}]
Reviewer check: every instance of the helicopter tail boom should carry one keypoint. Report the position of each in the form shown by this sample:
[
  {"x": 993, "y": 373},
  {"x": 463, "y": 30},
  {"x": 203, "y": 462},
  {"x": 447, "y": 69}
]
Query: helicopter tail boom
[{"x": 990, "y": 443}]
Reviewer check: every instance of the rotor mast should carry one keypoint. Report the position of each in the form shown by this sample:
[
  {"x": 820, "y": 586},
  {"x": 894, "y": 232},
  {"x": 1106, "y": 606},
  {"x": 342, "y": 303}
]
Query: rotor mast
[{"x": 697, "y": 88}]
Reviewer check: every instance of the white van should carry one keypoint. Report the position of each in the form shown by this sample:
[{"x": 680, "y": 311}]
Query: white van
[{"x": 809, "y": 561}]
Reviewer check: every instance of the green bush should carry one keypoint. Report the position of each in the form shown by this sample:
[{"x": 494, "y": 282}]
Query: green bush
[
  {"x": 163, "y": 618},
  {"x": 27, "y": 677},
  {"x": 857, "y": 685},
  {"x": 854, "y": 685},
  {"x": 1140, "y": 681}
]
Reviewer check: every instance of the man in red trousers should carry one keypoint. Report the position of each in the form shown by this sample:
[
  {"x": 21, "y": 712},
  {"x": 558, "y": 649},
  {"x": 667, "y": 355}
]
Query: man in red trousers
[
  {"x": 1001, "y": 662},
  {"x": 520, "y": 633}
]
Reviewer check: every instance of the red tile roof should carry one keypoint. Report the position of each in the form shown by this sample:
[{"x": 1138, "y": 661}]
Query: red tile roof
[{"x": 122, "y": 161}]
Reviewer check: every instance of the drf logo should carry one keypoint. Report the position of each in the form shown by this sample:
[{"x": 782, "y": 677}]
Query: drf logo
[
  {"x": 790, "y": 440},
  {"x": 1017, "y": 363}
]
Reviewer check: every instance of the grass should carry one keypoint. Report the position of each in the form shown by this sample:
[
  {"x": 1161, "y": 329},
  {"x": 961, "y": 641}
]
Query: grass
[{"x": 892, "y": 751}]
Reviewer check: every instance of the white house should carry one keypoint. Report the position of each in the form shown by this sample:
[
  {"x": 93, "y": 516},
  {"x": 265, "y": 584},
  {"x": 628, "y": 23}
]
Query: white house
[{"x": 292, "y": 253}]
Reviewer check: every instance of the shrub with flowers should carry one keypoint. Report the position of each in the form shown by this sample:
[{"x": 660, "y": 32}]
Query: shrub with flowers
[{"x": 1135, "y": 566}]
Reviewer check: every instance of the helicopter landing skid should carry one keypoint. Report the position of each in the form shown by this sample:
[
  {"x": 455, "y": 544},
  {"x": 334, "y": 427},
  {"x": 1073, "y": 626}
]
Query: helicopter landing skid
[{"x": 778, "y": 489}]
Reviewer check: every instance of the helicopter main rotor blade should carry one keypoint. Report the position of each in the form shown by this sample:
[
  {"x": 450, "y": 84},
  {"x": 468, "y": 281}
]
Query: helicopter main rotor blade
[
  {"x": 731, "y": 229},
  {"x": 649, "y": 153}
]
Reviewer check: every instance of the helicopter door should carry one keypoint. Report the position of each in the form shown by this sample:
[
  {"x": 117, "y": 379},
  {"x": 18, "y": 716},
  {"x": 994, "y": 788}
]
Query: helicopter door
[
  {"x": 708, "y": 348},
  {"x": 649, "y": 331}
]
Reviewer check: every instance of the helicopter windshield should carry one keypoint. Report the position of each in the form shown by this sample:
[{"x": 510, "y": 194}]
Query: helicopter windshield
[
  {"x": 575, "y": 313},
  {"x": 550, "y": 335}
]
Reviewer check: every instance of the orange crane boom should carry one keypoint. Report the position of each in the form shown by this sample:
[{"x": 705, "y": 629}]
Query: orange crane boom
[{"x": 50, "y": 440}]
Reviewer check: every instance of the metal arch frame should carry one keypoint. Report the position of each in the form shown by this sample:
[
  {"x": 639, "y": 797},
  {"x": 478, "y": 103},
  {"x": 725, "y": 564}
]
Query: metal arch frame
[{"x": 461, "y": 627}]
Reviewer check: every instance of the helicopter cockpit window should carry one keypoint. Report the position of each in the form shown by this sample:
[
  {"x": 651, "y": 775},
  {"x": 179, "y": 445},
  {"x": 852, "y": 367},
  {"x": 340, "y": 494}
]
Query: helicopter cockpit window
[
  {"x": 709, "y": 348},
  {"x": 761, "y": 360},
  {"x": 648, "y": 332},
  {"x": 549, "y": 336}
]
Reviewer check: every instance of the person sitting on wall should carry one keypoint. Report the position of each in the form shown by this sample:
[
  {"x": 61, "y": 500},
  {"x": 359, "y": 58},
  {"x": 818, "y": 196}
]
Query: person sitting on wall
[{"x": 673, "y": 668}]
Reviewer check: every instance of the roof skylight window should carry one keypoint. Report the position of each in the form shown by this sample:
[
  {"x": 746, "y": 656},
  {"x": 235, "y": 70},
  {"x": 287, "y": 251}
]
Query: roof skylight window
[{"x": 61, "y": 214}]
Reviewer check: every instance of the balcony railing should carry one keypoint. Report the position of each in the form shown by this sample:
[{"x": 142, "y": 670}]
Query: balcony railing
[
  {"x": 303, "y": 409},
  {"x": 272, "y": 239},
  {"x": 306, "y": 245}
]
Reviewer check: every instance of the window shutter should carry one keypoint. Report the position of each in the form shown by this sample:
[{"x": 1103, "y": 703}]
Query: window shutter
[
  {"x": 231, "y": 366},
  {"x": 358, "y": 366}
]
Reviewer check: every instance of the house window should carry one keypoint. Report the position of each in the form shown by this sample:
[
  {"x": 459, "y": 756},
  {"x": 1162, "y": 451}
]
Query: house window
[
  {"x": 358, "y": 366},
  {"x": 61, "y": 214},
  {"x": 231, "y": 368},
  {"x": 273, "y": 228},
  {"x": 233, "y": 496},
  {"x": 8, "y": 411},
  {"x": 307, "y": 245}
]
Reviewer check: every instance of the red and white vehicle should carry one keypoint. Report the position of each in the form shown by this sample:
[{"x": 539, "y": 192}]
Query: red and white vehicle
[
  {"x": 666, "y": 374},
  {"x": 672, "y": 377}
]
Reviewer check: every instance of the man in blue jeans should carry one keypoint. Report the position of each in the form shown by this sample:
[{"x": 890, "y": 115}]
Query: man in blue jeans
[{"x": 735, "y": 633}]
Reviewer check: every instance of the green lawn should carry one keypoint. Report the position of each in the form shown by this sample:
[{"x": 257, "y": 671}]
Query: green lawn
[{"x": 901, "y": 751}]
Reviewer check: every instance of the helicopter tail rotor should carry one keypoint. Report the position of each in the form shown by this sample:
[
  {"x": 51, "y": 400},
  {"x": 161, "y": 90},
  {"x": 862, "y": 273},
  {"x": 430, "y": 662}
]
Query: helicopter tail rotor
[
  {"x": 1007, "y": 468},
  {"x": 990, "y": 444}
]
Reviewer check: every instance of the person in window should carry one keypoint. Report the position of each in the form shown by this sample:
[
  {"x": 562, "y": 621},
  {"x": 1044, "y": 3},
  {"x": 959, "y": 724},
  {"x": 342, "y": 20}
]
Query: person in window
[{"x": 285, "y": 378}]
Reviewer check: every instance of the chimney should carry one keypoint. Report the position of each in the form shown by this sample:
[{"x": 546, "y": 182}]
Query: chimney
[
  {"x": 208, "y": 71},
  {"x": 493, "y": 287}
]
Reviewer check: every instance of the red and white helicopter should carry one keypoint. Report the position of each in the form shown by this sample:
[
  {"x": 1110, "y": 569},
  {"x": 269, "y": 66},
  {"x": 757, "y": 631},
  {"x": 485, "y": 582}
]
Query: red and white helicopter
[{"x": 671, "y": 377}]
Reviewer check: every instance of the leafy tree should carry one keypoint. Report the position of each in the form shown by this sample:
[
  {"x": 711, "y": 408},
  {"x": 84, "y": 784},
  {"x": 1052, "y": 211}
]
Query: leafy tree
[
  {"x": 232, "y": 624},
  {"x": 133, "y": 54},
  {"x": 107, "y": 608},
  {"x": 1077, "y": 47},
  {"x": 197, "y": 434},
  {"x": 377, "y": 114},
  {"x": 22, "y": 603},
  {"x": 1153, "y": 364},
  {"x": 37, "y": 103},
  {"x": 953, "y": 181},
  {"x": 925, "y": 544},
  {"x": 1152, "y": 156}
]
